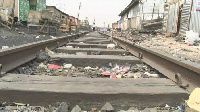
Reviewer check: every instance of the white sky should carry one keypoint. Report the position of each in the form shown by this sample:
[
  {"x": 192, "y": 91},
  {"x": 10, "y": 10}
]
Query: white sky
[{"x": 102, "y": 10}]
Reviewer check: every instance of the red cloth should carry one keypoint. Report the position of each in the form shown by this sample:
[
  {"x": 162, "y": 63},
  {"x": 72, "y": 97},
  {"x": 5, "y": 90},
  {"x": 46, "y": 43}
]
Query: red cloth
[
  {"x": 54, "y": 67},
  {"x": 109, "y": 74}
]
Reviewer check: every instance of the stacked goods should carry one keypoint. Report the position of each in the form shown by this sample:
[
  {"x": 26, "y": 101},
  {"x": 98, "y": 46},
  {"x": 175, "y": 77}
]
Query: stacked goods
[
  {"x": 64, "y": 26},
  {"x": 34, "y": 17},
  {"x": 51, "y": 14},
  {"x": 73, "y": 23},
  {"x": 74, "y": 28},
  {"x": 48, "y": 15},
  {"x": 3, "y": 12},
  {"x": 5, "y": 19}
]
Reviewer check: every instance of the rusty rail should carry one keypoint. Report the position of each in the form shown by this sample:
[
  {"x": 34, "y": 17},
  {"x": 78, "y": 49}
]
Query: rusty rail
[
  {"x": 13, "y": 57},
  {"x": 186, "y": 74}
]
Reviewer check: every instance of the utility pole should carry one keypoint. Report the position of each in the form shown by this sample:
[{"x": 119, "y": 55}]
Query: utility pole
[
  {"x": 79, "y": 10},
  {"x": 79, "y": 15},
  {"x": 94, "y": 25},
  {"x": 104, "y": 26}
]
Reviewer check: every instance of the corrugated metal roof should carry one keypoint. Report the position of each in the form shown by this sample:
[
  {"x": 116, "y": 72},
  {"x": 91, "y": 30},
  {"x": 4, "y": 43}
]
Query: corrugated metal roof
[
  {"x": 185, "y": 18},
  {"x": 194, "y": 20},
  {"x": 58, "y": 10},
  {"x": 133, "y": 2}
]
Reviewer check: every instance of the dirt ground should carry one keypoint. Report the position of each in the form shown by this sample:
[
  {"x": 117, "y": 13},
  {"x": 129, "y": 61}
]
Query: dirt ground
[
  {"x": 175, "y": 46},
  {"x": 20, "y": 35}
]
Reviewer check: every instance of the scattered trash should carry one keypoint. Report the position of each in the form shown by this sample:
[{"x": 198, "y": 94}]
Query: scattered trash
[
  {"x": 67, "y": 66},
  {"x": 113, "y": 76},
  {"x": 190, "y": 43},
  {"x": 87, "y": 68},
  {"x": 42, "y": 65},
  {"x": 53, "y": 37},
  {"x": 96, "y": 53},
  {"x": 20, "y": 104},
  {"x": 167, "y": 107},
  {"x": 133, "y": 75},
  {"x": 151, "y": 75},
  {"x": 123, "y": 70},
  {"x": 37, "y": 37},
  {"x": 108, "y": 74},
  {"x": 21, "y": 33},
  {"x": 4, "y": 47},
  {"x": 16, "y": 29},
  {"x": 111, "y": 46},
  {"x": 90, "y": 68},
  {"x": 194, "y": 100},
  {"x": 65, "y": 107},
  {"x": 191, "y": 36},
  {"x": 116, "y": 68},
  {"x": 54, "y": 67},
  {"x": 119, "y": 76},
  {"x": 180, "y": 108},
  {"x": 49, "y": 51},
  {"x": 69, "y": 46}
]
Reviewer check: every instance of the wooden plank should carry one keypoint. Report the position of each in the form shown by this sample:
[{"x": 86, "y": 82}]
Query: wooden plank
[{"x": 88, "y": 85}]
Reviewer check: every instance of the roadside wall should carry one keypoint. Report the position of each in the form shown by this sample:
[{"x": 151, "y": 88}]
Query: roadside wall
[
  {"x": 56, "y": 13},
  {"x": 7, "y": 3}
]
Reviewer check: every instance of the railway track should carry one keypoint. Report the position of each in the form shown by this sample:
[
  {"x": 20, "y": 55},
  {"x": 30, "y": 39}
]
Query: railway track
[
  {"x": 129, "y": 83},
  {"x": 184, "y": 73},
  {"x": 16, "y": 56}
]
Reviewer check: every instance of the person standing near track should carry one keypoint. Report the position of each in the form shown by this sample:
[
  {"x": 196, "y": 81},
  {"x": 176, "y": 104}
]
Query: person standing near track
[{"x": 94, "y": 26}]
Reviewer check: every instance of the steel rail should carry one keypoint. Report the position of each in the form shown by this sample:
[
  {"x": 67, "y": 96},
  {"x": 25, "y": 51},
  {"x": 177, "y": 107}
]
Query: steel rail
[
  {"x": 166, "y": 64},
  {"x": 13, "y": 57},
  {"x": 186, "y": 74}
]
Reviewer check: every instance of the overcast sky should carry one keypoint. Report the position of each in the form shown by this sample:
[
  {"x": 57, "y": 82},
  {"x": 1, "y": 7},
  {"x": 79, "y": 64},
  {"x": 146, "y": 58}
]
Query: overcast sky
[{"x": 102, "y": 10}]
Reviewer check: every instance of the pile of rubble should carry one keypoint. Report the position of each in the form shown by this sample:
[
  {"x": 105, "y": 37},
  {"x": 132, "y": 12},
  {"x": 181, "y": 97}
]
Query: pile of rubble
[
  {"x": 19, "y": 107},
  {"x": 65, "y": 107},
  {"x": 68, "y": 70},
  {"x": 174, "y": 45}
]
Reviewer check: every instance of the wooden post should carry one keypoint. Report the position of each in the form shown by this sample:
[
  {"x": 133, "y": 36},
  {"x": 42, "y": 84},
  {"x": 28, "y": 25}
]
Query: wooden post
[
  {"x": 168, "y": 17},
  {"x": 190, "y": 14},
  {"x": 177, "y": 16}
]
